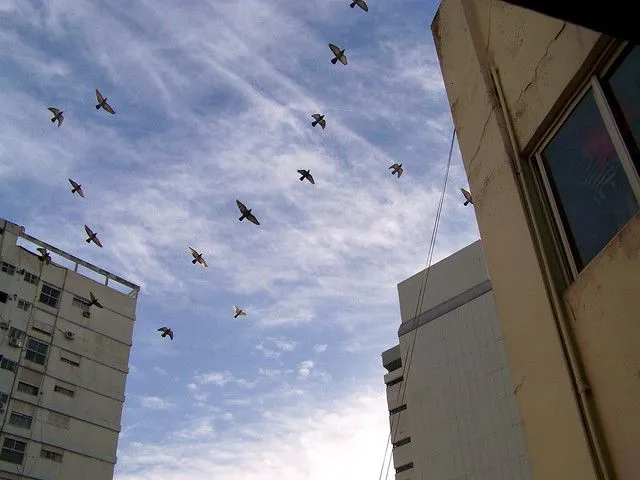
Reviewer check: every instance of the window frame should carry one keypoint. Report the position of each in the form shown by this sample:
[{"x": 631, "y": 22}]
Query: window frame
[
  {"x": 51, "y": 287},
  {"x": 7, "y": 268},
  {"x": 614, "y": 58},
  {"x": 35, "y": 353},
  {"x": 8, "y": 363},
  {"x": 31, "y": 278},
  {"x": 23, "y": 416},
  {"x": 12, "y": 449},
  {"x": 68, "y": 392},
  {"x": 51, "y": 455},
  {"x": 37, "y": 389}
]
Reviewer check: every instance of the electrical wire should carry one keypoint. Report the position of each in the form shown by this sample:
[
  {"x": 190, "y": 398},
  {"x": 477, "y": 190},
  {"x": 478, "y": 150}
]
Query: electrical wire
[{"x": 406, "y": 367}]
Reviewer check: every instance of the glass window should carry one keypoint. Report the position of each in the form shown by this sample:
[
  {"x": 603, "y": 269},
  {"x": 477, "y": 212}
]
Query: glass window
[
  {"x": 591, "y": 188},
  {"x": 7, "y": 268},
  {"x": 13, "y": 450},
  {"x": 20, "y": 420},
  {"x": 48, "y": 454},
  {"x": 36, "y": 351},
  {"x": 49, "y": 296},
  {"x": 7, "y": 364},
  {"x": 26, "y": 388}
]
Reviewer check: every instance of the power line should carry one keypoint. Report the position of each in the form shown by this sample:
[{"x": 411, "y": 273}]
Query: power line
[{"x": 407, "y": 367}]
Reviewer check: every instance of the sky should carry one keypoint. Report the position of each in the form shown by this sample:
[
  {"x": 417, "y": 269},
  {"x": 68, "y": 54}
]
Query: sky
[{"x": 213, "y": 103}]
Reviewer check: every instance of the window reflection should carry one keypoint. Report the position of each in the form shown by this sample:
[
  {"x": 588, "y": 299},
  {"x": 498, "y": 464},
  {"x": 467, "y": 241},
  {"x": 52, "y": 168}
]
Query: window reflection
[{"x": 591, "y": 188}]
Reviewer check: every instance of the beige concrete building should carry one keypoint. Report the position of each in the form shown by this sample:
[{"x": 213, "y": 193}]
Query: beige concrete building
[
  {"x": 548, "y": 121},
  {"x": 452, "y": 408},
  {"x": 64, "y": 363}
]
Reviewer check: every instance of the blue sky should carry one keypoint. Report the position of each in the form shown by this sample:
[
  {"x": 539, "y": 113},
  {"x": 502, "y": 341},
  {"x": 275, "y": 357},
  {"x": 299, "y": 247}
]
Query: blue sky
[{"x": 213, "y": 103}]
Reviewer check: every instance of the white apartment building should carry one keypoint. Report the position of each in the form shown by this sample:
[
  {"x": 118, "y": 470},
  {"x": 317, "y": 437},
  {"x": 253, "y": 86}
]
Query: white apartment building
[
  {"x": 63, "y": 363},
  {"x": 453, "y": 413}
]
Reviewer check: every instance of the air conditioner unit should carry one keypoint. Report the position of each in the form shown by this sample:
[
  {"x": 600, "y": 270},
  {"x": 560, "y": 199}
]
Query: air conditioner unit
[
  {"x": 14, "y": 342},
  {"x": 69, "y": 335},
  {"x": 86, "y": 314},
  {"x": 4, "y": 325}
]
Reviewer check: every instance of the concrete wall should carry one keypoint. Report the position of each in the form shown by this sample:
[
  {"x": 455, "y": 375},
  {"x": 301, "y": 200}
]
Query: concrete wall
[{"x": 542, "y": 62}]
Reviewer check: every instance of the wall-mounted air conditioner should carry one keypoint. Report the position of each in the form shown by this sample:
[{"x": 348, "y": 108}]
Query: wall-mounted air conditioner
[
  {"x": 69, "y": 335},
  {"x": 86, "y": 314},
  {"x": 14, "y": 342}
]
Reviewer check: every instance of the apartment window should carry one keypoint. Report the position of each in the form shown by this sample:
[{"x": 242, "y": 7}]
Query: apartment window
[
  {"x": 36, "y": 351},
  {"x": 48, "y": 454},
  {"x": 4, "y": 297},
  {"x": 79, "y": 302},
  {"x": 398, "y": 409},
  {"x": 7, "y": 364},
  {"x": 69, "y": 361},
  {"x": 64, "y": 391},
  {"x": 17, "y": 333},
  {"x": 406, "y": 466},
  {"x": 24, "y": 305},
  {"x": 4, "y": 398},
  {"x": 404, "y": 441},
  {"x": 591, "y": 163},
  {"x": 13, "y": 450},
  {"x": 49, "y": 296},
  {"x": 7, "y": 268},
  {"x": 20, "y": 420},
  {"x": 31, "y": 278},
  {"x": 27, "y": 388},
  {"x": 395, "y": 381}
]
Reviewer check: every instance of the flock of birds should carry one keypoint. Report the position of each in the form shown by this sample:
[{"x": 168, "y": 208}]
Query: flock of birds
[{"x": 246, "y": 213}]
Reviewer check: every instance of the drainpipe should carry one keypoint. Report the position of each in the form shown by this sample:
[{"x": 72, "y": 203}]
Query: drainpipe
[{"x": 579, "y": 383}]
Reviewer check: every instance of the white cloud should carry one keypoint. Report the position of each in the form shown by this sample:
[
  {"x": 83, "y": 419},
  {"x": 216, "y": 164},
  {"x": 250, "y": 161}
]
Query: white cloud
[
  {"x": 320, "y": 348},
  {"x": 155, "y": 403},
  {"x": 160, "y": 371},
  {"x": 305, "y": 367},
  {"x": 213, "y": 378}
]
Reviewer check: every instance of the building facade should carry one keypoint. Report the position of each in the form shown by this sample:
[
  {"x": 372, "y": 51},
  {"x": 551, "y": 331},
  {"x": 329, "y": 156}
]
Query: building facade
[
  {"x": 453, "y": 414},
  {"x": 63, "y": 362},
  {"x": 548, "y": 122}
]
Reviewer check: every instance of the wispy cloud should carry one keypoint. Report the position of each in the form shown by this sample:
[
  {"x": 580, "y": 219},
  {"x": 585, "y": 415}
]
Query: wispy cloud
[{"x": 155, "y": 403}]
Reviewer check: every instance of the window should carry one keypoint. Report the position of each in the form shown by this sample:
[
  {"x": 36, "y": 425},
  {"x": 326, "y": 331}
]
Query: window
[
  {"x": 17, "y": 333},
  {"x": 3, "y": 297},
  {"x": 7, "y": 364},
  {"x": 31, "y": 278},
  {"x": 40, "y": 330},
  {"x": 79, "y": 302},
  {"x": 69, "y": 361},
  {"x": 24, "y": 305},
  {"x": 591, "y": 163},
  {"x": 36, "y": 351},
  {"x": 395, "y": 381},
  {"x": 65, "y": 391},
  {"x": 20, "y": 420},
  {"x": 49, "y": 296},
  {"x": 13, "y": 450},
  {"x": 27, "y": 388},
  {"x": 4, "y": 398},
  {"x": 398, "y": 409},
  {"x": 7, "y": 268},
  {"x": 48, "y": 454},
  {"x": 404, "y": 441},
  {"x": 406, "y": 466}
]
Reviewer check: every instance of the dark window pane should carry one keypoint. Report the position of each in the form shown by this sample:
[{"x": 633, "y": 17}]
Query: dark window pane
[
  {"x": 623, "y": 89},
  {"x": 591, "y": 188}
]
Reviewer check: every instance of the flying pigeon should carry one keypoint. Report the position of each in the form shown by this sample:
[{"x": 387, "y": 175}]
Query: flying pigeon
[
  {"x": 197, "y": 258},
  {"x": 319, "y": 119},
  {"x": 166, "y": 331},
  {"x": 246, "y": 213},
  {"x": 94, "y": 301},
  {"x": 45, "y": 255},
  {"x": 102, "y": 102},
  {"x": 339, "y": 54},
  {"x": 306, "y": 174},
  {"x": 467, "y": 196},
  {"x": 92, "y": 237},
  {"x": 238, "y": 311},
  {"x": 361, "y": 3},
  {"x": 396, "y": 169},
  {"x": 76, "y": 188},
  {"x": 57, "y": 115}
]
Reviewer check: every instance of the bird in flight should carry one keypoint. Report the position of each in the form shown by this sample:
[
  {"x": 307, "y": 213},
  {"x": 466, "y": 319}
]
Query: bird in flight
[
  {"x": 396, "y": 169},
  {"x": 197, "y": 258},
  {"x": 246, "y": 213},
  {"x": 94, "y": 301},
  {"x": 45, "y": 257},
  {"x": 57, "y": 115},
  {"x": 76, "y": 188},
  {"x": 467, "y": 196},
  {"x": 318, "y": 119},
  {"x": 238, "y": 311},
  {"x": 92, "y": 237},
  {"x": 339, "y": 54},
  {"x": 166, "y": 332},
  {"x": 102, "y": 102},
  {"x": 306, "y": 174},
  {"x": 361, "y": 3}
]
